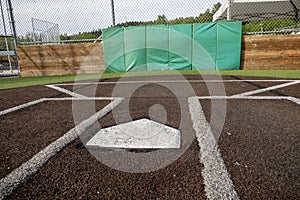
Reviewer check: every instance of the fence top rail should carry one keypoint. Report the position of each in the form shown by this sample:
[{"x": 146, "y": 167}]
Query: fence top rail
[
  {"x": 61, "y": 42},
  {"x": 272, "y": 32}
]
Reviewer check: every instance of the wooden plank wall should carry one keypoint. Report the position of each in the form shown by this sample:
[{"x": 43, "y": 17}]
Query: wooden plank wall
[
  {"x": 46, "y": 60},
  {"x": 271, "y": 52},
  {"x": 265, "y": 52}
]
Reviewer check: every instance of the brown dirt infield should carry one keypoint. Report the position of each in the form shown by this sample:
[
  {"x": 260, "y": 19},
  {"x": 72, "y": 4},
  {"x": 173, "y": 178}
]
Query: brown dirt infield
[{"x": 259, "y": 144}]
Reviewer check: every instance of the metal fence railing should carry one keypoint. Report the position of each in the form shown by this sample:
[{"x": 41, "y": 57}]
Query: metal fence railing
[{"x": 82, "y": 21}]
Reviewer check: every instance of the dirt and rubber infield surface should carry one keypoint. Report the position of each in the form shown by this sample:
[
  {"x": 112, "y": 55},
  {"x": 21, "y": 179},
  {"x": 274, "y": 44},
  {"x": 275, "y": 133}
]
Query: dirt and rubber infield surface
[{"x": 259, "y": 143}]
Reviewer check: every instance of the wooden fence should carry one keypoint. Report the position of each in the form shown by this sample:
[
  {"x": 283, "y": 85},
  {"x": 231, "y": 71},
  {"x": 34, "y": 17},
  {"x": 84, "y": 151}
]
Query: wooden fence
[
  {"x": 46, "y": 60},
  {"x": 271, "y": 52},
  {"x": 267, "y": 52}
]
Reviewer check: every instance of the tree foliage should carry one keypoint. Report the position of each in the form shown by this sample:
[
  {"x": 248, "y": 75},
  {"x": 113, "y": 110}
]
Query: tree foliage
[
  {"x": 8, "y": 41},
  {"x": 84, "y": 35},
  {"x": 269, "y": 25},
  {"x": 207, "y": 16}
]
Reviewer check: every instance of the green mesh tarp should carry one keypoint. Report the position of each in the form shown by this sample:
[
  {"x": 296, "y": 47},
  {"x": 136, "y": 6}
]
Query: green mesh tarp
[
  {"x": 204, "y": 46},
  {"x": 229, "y": 34},
  {"x": 135, "y": 48},
  {"x": 157, "y": 44},
  {"x": 180, "y": 49},
  {"x": 114, "y": 50}
]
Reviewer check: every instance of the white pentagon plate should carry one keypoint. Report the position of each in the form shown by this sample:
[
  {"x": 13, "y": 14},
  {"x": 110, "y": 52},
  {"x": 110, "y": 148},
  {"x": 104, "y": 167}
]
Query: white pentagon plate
[{"x": 140, "y": 134}]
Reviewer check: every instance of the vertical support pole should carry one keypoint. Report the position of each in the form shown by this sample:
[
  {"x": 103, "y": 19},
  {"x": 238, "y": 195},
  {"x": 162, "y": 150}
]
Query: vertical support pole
[
  {"x": 46, "y": 35},
  {"x": 5, "y": 38},
  {"x": 33, "y": 31},
  {"x": 229, "y": 10},
  {"x": 113, "y": 12},
  {"x": 296, "y": 10},
  {"x": 12, "y": 21},
  {"x": 13, "y": 27},
  {"x": 58, "y": 36}
]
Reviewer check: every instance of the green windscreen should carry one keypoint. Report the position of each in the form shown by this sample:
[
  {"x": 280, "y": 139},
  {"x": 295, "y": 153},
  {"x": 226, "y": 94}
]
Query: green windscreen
[
  {"x": 229, "y": 45},
  {"x": 135, "y": 48},
  {"x": 203, "y": 46},
  {"x": 114, "y": 48},
  {"x": 180, "y": 49},
  {"x": 157, "y": 43}
]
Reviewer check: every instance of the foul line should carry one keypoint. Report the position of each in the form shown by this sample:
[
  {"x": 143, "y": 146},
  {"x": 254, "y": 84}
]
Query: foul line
[
  {"x": 21, "y": 174},
  {"x": 218, "y": 184},
  {"x": 267, "y": 89}
]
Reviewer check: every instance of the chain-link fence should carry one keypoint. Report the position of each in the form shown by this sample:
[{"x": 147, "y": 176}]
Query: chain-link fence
[
  {"x": 45, "y": 32},
  {"x": 83, "y": 20},
  {"x": 8, "y": 57}
]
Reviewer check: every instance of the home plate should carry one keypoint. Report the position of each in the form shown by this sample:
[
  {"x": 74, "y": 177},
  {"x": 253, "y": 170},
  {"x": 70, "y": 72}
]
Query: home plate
[{"x": 140, "y": 134}]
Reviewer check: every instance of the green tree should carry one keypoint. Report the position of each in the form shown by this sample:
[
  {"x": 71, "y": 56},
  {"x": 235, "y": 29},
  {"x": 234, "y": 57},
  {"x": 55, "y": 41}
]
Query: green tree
[
  {"x": 216, "y": 8},
  {"x": 205, "y": 17},
  {"x": 161, "y": 19}
]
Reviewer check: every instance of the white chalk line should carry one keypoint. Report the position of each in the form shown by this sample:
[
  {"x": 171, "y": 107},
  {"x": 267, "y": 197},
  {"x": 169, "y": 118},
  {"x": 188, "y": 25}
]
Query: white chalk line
[
  {"x": 218, "y": 184},
  {"x": 21, "y": 174},
  {"x": 217, "y": 181},
  {"x": 83, "y": 99},
  {"x": 73, "y": 94},
  {"x": 267, "y": 89},
  {"x": 170, "y": 81},
  {"x": 292, "y": 99},
  {"x": 7, "y": 184},
  {"x": 10, "y": 110},
  {"x": 25, "y": 105}
]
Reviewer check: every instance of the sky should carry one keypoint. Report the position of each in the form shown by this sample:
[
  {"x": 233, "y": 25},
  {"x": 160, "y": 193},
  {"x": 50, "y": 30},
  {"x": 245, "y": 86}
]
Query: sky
[{"x": 75, "y": 16}]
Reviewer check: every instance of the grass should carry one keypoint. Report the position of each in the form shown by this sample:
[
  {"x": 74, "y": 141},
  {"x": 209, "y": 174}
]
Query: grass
[
  {"x": 6, "y": 83},
  {"x": 289, "y": 74}
]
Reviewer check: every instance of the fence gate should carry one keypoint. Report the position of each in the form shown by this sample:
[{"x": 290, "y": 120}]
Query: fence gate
[{"x": 9, "y": 65}]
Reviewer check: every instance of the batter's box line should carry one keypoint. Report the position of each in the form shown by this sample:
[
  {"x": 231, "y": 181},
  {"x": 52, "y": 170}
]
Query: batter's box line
[
  {"x": 32, "y": 103},
  {"x": 217, "y": 181},
  {"x": 292, "y": 99},
  {"x": 73, "y": 94},
  {"x": 27, "y": 169},
  {"x": 267, "y": 89}
]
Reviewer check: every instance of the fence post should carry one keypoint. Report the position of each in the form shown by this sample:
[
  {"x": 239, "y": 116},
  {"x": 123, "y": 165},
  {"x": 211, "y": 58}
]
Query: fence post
[
  {"x": 13, "y": 27},
  {"x": 113, "y": 12},
  {"x": 229, "y": 10}
]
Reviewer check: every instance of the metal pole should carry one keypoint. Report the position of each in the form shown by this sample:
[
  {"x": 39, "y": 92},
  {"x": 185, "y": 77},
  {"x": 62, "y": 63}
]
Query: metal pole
[
  {"x": 33, "y": 30},
  {"x": 13, "y": 26},
  {"x": 113, "y": 12},
  {"x": 229, "y": 10},
  {"x": 5, "y": 37},
  {"x": 296, "y": 10},
  {"x": 12, "y": 21}
]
